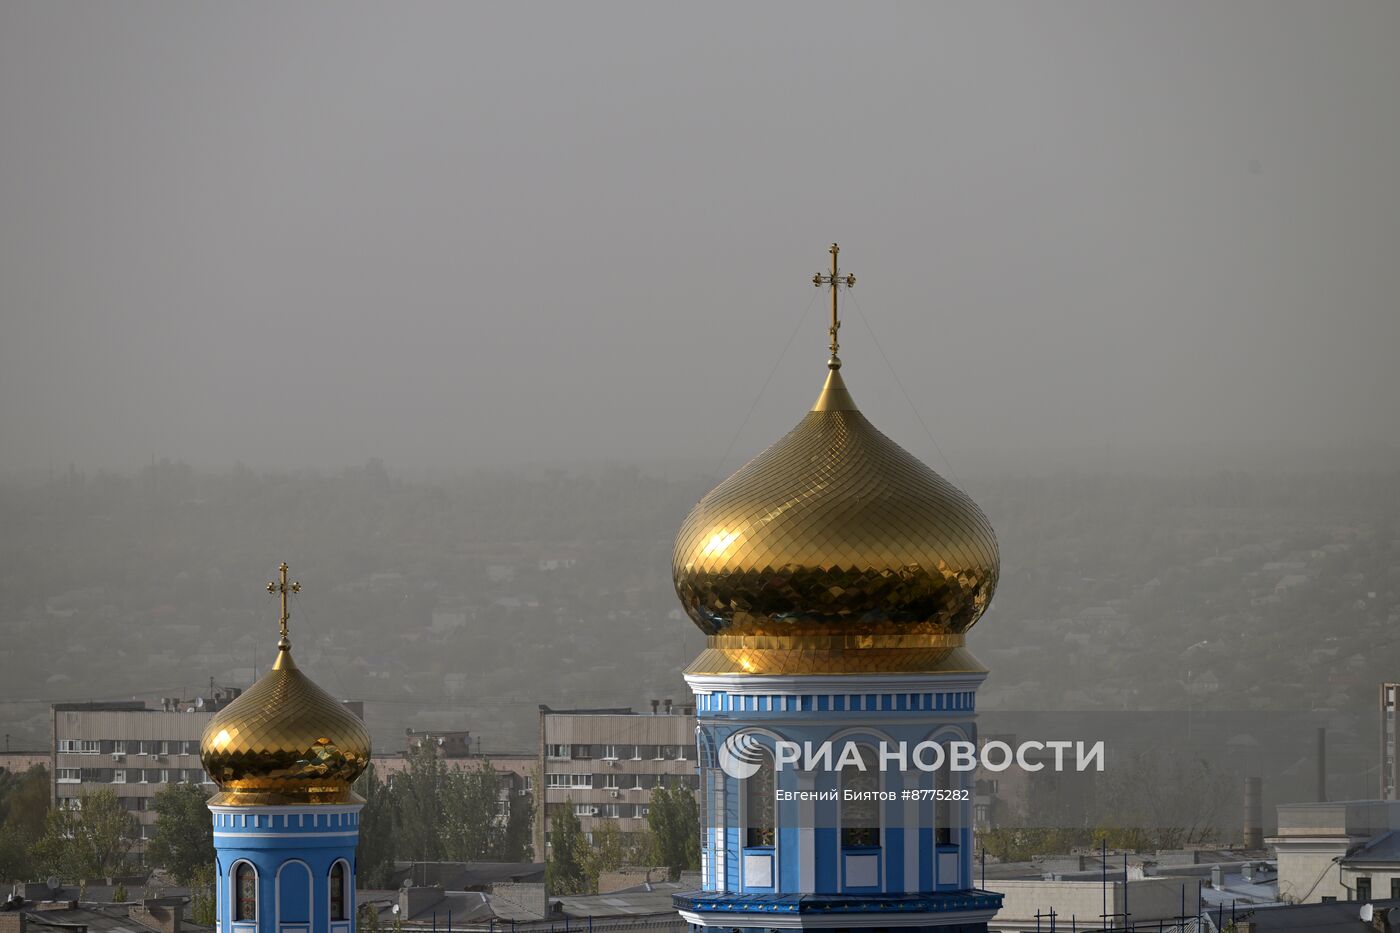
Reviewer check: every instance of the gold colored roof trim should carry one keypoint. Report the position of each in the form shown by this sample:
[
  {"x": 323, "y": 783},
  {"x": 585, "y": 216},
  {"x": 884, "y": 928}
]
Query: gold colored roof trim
[{"x": 729, "y": 660}]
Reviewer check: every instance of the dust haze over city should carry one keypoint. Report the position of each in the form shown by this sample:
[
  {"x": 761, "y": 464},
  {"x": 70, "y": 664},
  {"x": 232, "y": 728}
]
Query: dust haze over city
[{"x": 459, "y": 308}]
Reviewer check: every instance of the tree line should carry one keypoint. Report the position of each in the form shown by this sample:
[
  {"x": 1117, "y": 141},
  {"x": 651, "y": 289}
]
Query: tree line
[{"x": 426, "y": 812}]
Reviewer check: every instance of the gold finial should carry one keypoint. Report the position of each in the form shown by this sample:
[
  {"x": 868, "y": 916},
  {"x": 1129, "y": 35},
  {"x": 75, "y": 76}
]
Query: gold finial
[
  {"x": 835, "y": 280},
  {"x": 281, "y": 586}
]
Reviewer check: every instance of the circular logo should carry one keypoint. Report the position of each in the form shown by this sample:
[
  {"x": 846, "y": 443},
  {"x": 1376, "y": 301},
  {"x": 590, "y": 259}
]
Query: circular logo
[{"x": 741, "y": 755}]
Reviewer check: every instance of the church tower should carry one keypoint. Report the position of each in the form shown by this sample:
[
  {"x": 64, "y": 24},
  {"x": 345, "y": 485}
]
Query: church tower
[
  {"x": 835, "y": 577},
  {"x": 286, "y": 822}
]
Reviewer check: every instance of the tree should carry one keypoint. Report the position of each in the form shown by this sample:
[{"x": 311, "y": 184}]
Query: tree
[
  {"x": 91, "y": 841},
  {"x": 418, "y": 804},
  {"x": 375, "y": 855},
  {"x": 469, "y": 825},
  {"x": 14, "y": 855},
  {"x": 24, "y": 804},
  {"x": 565, "y": 871},
  {"x": 203, "y": 903},
  {"x": 183, "y": 841},
  {"x": 609, "y": 852},
  {"x": 674, "y": 820}
]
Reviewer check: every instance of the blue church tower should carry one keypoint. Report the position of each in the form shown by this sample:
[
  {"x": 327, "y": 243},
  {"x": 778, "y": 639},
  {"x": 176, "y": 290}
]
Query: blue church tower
[
  {"x": 286, "y": 822},
  {"x": 835, "y": 577}
]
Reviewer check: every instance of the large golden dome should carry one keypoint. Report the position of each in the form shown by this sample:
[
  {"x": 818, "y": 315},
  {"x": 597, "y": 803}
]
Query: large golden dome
[
  {"x": 284, "y": 741},
  {"x": 835, "y": 551}
]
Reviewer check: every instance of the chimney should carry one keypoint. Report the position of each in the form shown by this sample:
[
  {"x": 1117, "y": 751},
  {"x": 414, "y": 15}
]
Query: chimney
[
  {"x": 667, "y": 702},
  {"x": 1253, "y": 813},
  {"x": 654, "y": 705},
  {"x": 414, "y": 900},
  {"x": 159, "y": 913}
]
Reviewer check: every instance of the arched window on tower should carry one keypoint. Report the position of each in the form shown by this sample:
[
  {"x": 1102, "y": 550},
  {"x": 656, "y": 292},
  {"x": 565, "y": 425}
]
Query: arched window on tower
[
  {"x": 338, "y": 889},
  {"x": 943, "y": 806},
  {"x": 860, "y": 811},
  {"x": 245, "y": 893},
  {"x": 760, "y": 809}
]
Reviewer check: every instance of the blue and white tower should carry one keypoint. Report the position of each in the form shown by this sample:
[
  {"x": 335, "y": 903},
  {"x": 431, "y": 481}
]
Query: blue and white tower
[
  {"x": 836, "y": 576},
  {"x": 286, "y": 822}
]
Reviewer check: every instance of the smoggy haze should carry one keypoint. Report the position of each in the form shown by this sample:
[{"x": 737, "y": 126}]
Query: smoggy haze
[{"x": 456, "y": 234}]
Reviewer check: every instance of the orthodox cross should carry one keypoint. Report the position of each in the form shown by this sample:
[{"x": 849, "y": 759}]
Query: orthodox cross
[
  {"x": 834, "y": 280},
  {"x": 285, "y": 589}
]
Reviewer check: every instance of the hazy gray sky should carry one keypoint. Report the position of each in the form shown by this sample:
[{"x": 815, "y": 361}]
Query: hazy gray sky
[{"x": 459, "y": 234}]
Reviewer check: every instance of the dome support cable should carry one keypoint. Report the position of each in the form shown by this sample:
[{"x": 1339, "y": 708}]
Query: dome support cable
[
  {"x": 865, "y": 319},
  {"x": 764, "y": 388}
]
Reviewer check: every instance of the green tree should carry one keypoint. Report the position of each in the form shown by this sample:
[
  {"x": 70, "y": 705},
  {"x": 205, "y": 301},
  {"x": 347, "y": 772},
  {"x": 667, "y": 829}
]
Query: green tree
[
  {"x": 418, "y": 791},
  {"x": 92, "y": 841},
  {"x": 14, "y": 855},
  {"x": 375, "y": 855},
  {"x": 24, "y": 802},
  {"x": 565, "y": 870},
  {"x": 469, "y": 825},
  {"x": 183, "y": 841},
  {"x": 609, "y": 852},
  {"x": 203, "y": 903},
  {"x": 674, "y": 820},
  {"x": 24, "y": 805}
]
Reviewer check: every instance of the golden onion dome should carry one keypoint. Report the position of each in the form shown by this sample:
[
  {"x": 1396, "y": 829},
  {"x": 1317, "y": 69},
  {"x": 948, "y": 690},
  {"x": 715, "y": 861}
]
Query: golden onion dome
[
  {"x": 284, "y": 741},
  {"x": 835, "y": 551}
]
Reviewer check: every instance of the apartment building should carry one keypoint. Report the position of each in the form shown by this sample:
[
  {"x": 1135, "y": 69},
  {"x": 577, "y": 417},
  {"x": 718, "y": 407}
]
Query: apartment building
[
  {"x": 605, "y": 763},
  {"x": 129, "y": 748},
  {"x": 132, "y": 749}
]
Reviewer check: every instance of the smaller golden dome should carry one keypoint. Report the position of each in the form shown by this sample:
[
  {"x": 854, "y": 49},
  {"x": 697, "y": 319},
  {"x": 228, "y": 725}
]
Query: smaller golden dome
[{"x": 284, "y": 741}]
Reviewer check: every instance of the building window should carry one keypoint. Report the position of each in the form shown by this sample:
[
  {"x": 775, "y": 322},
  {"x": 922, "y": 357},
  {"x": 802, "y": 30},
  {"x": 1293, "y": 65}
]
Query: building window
[
  {"x": 570, "y": 780},
  {"x": 556, "y": 751},
  {"x": 860, "y": 818},
  {"x": 69, "y": 775},
  {"x": 245, "y": 888},
  {"x": 338, "y": 891},
  {"x": 610, "y": 780},
  {"x": 118, "y": 747},
  {"x": 1363, "y": 889},
  {"x": 585, "y": 809},
  {"x": 636, "y": 753},
  {"x": 67, "y": 745},
  {"x": 89, "y": 747},
  {"x": 119, "y": 776},
  {"x": 610, "y": 752},
  {"x": 760, "y": 827}
]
